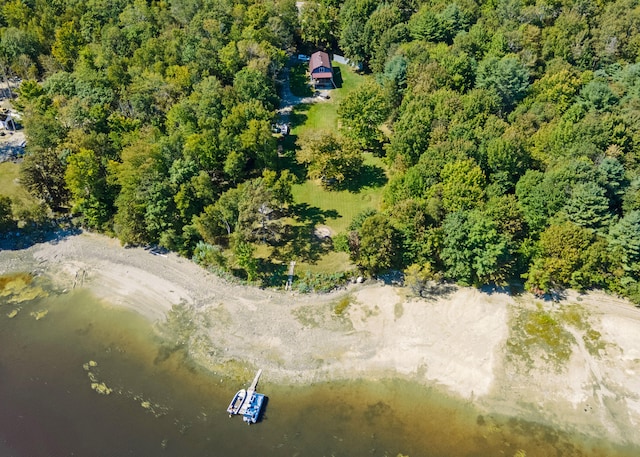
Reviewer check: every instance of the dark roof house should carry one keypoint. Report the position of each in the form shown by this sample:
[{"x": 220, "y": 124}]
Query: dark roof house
[{"x": 320, "y": 69}]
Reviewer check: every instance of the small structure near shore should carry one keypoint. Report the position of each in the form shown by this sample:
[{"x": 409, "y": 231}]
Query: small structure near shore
[
  {"x": 6, "y": 121},
  {"x": 248, "y": 403}
]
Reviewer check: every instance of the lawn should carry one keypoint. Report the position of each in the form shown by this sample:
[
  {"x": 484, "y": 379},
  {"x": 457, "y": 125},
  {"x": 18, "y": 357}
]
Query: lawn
[
  {"x": 11, "y": 187},
  {"x": 316, "y": 205},
  {"x": 324, "y": 113},
  {"x": 339, "y": 207}
]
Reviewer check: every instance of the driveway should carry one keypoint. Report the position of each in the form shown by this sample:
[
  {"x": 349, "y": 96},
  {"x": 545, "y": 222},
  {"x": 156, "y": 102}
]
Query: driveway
[{"x": 287, "y": 99}]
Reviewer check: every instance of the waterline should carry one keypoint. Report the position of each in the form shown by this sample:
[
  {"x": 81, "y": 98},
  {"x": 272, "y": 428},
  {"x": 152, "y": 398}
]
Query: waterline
[{"x": 162, "y": 403}]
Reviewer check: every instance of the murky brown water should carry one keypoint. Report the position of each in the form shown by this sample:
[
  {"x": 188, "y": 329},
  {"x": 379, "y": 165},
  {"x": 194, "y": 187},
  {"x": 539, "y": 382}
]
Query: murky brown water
[{"x": 160, "y": 404}]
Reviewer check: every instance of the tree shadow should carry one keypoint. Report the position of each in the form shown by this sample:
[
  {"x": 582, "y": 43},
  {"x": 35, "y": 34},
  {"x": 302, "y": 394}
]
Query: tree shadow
[
  {"x": 392, "y": 278},
  {"x": 300, "y": 241},
  {"x": 22, "y": 239},
  {"x": 287, "y": 159},
  {"x": 312, "y": 215},
  {"x": 298, "y": 116},
  {"x": 302, "y": 244},
  {"x": 337, "y": 77},
  {"x": 554, "y": 295},
  {"x": 434, "y": 290},
  {"x": 273, "y": 272},
  {"x": 299, "y": 82},
  {"x": 370, "y": 176},
  {"x": 513, "y": 290}
]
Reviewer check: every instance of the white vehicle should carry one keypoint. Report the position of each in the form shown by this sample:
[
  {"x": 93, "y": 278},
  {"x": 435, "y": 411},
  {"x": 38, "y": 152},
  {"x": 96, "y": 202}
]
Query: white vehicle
[{"x": 303, "y": 58}]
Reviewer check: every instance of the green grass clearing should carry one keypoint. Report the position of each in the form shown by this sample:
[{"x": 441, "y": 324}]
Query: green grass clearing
[
  {"x": 315, "y": 204},
  {"x": 24, "y": 206},
  {"x": 329, "y": 262},
  {"x": 340, "y": 206},
  {"x": 10, "y": 185},
  {"x": 324, "y": 113}
]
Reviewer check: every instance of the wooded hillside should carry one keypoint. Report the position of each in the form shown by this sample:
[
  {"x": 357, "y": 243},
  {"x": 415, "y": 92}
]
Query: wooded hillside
[{"x": 511, "y": 130}]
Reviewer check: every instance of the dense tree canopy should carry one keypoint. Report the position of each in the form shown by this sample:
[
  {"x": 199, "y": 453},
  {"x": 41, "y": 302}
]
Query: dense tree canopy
[{"x": 510, "y": 129}]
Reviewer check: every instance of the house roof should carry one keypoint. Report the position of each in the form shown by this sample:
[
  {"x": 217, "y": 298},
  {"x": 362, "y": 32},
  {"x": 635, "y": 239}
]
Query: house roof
[
  {"x": 319, "y": 59},
  {"x": 322, "y": 75}
]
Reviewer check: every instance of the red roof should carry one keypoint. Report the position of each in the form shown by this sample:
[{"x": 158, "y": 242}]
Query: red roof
[
  {"x": 323, "y": 75},
  {"x": 319, "y": 59}
]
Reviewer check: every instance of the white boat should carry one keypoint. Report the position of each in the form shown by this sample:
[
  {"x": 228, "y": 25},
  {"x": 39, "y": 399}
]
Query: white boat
[
  {"x": 237, "y": 402},
  {"x": 248, "y": 403}
]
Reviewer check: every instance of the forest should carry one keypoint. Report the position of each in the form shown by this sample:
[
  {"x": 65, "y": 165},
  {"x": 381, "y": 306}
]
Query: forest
[{"x": 509, "y": 132}]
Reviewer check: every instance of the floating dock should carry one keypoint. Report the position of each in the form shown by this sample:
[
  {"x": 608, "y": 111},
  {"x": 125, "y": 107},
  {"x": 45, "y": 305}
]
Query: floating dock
[{"x": 248, "y": 403}]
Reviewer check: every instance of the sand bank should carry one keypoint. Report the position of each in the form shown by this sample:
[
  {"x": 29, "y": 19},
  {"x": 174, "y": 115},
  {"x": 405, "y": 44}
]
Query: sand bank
[{"x": 479, "y": 346}]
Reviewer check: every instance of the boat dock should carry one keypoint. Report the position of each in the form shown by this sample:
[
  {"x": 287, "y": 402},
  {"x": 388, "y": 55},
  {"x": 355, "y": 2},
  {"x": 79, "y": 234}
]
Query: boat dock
[
  {"x": 250, "y": 392},
  {"x": 248, "y": 403}
]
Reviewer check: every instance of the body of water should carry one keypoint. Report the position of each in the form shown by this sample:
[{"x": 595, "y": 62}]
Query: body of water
[{"x": 78, "y": 378}]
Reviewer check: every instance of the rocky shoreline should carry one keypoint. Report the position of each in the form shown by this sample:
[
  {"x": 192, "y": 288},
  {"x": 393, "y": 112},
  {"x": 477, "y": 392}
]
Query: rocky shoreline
[{"x": 573, "y": 364}]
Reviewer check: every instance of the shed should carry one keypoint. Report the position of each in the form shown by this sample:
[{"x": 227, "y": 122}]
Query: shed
[
  {"x": 6, "y": 121},
  {"x": 320, "y": 70}
]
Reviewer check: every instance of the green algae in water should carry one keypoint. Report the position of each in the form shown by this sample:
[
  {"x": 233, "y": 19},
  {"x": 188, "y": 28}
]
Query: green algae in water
[
  {"x": 20, "y": 288},
  {"x": 13, "y": 313},
  {"x": 96, "y": 384},
  {"x": 101, "y": 388},
  {"x": 43, "y": 382},
  {"x": 37, "y": 315}
]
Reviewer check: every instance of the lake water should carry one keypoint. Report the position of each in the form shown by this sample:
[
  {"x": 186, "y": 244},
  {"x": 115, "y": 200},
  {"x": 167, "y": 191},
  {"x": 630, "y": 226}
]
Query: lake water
[{"x": 160, "y": 404}]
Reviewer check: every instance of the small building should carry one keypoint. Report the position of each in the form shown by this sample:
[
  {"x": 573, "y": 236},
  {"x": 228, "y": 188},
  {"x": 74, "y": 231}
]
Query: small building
[
  {"x": 320, "y": 70},
  {"x": 6, "y": 121}
]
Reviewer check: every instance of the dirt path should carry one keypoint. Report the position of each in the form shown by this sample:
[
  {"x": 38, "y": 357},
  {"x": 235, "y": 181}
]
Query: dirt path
[
  {"x": 460, "y": 342},
  {"x": 287, "y": 99}
]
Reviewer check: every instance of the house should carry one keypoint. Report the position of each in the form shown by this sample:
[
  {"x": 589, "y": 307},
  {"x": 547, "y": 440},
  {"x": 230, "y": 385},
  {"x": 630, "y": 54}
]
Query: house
[
  {"x": 6, "y": 121},
  {"x": 320, "y": 70}
]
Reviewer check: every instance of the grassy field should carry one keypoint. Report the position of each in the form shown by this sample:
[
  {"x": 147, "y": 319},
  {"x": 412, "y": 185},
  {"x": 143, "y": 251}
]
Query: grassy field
[
  {"x": 11, "y": 187},
  {"x": 340, "y": 207},
  {"x": 324, "y": 114},
  {"x": 333, "y": 208}
]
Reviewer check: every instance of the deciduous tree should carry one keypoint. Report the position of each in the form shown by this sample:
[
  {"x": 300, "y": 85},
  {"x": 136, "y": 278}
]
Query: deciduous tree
[
  {"x": 379, "y": 245},
  {"x": 473, "y": 251},
  {"x": 330, "y": 158},
  {"x": 506, "y": 76},
  {"x": 362, "y": 111}
]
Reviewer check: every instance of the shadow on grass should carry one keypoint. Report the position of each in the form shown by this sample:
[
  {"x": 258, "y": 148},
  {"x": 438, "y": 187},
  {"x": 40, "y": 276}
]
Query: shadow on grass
[
  {"x": 337, "y": 77},
  {"x": 272, "y": 272},
  {"x": 287, "y": 158},
  {"x": 302, "y": 245},
  {"x": 370, "y": 176},
  {"x": 299, "y": 115},
  {"x": 299, "y": 82},
  {"x": 313, "y": 215},
  {"x": 300, "y": 241}
]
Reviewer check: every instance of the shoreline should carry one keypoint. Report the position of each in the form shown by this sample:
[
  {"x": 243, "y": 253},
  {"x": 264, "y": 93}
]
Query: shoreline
[{"x": 464, "y": 342}]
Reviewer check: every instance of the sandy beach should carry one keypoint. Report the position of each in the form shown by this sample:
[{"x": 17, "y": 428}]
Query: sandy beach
[{"x": 478, "y": 346}]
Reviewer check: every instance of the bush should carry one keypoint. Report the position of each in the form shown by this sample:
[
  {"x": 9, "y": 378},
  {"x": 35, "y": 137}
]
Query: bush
[
  {"x": 320, "y": 282},
  {"x": 6, "y": 215},
  {"x": 341, "y": 243},
  {"x": 208, "y": 256}
]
